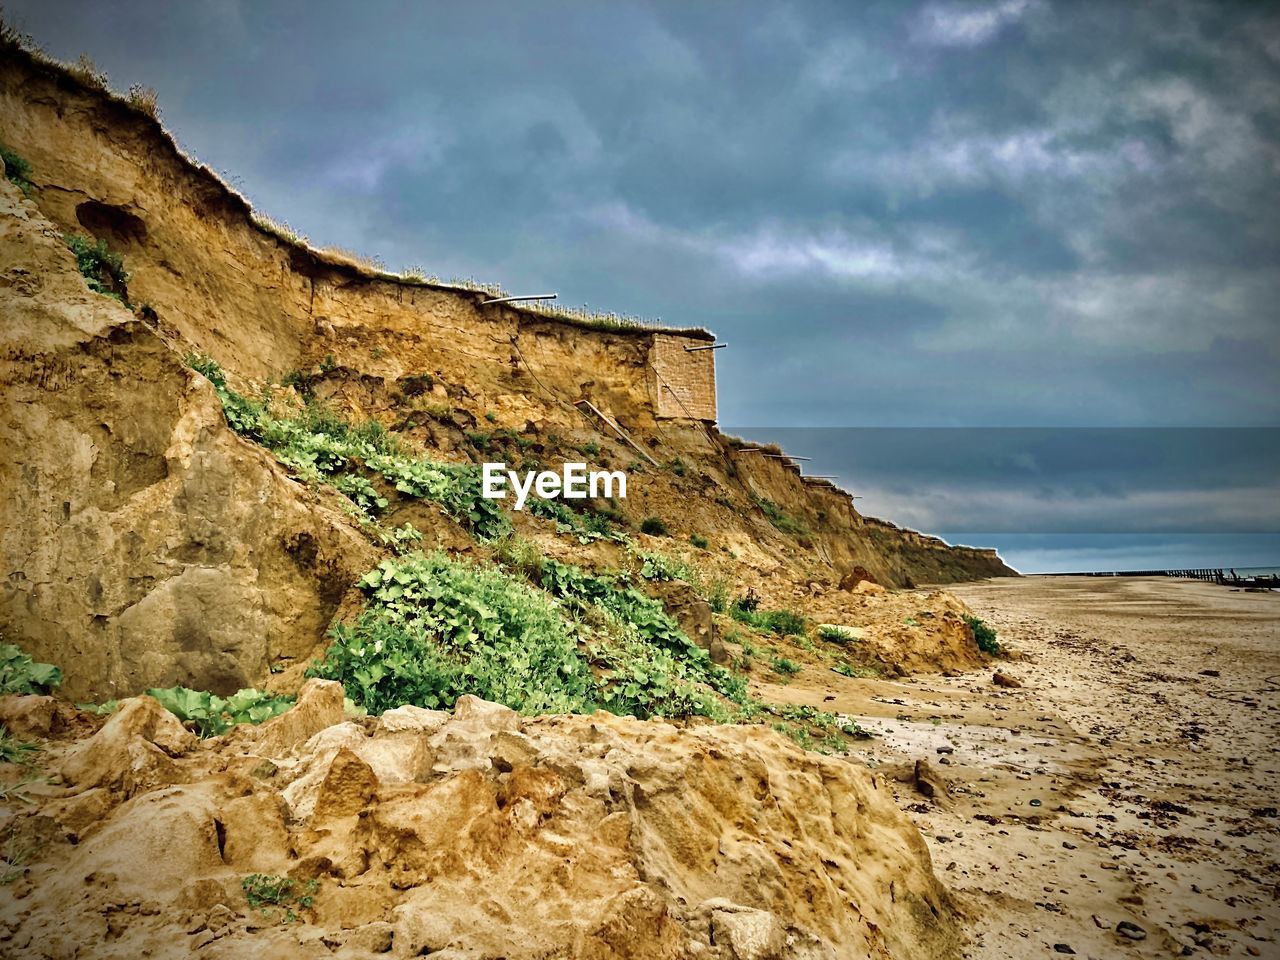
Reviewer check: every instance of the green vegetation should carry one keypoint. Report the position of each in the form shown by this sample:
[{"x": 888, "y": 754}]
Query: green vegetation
[
  {"x": 590, "y": 449},
  {"x": 210, "y": 715},
  {"x": 588, "y": 526},
  {"x": 678, "y": 467},
  {"x": 836, "y": 634},
  {"x": 698, "y": 541},
  {"x": 784, "y": 667},
  {"x": 782, "y": 622},
  {"x": 103, "y": 270},
  {"x": 323, "y": 449},
  {"x": 13, "y": 750},
  {"x": 985, "y": 635},
  {"x": 264, "y": 892},
  {"x": 718, "y": 595},
  {"x": 543, "y": 637},
  {"x": 17, "y": 170},
  {"x": 780, "y": 518},
  {"x": 660, "y": 566},
  {"x": 19, "y": 673},
  {"x": 654, "y": 527}
]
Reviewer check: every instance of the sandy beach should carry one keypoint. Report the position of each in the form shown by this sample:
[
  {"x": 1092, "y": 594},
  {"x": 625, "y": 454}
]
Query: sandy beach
[{"x": 1132, "y": 778}]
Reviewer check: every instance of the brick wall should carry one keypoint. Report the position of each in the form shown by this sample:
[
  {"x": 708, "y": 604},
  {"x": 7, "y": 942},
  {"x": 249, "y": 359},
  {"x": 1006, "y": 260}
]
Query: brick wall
[{"x": 684, "y": 383}]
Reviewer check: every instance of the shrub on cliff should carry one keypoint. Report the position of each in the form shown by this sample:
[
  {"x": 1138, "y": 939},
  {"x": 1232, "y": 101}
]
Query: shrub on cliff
[
  {"x": 103, "y": 270},
  {"x": 985, "y": 635}
]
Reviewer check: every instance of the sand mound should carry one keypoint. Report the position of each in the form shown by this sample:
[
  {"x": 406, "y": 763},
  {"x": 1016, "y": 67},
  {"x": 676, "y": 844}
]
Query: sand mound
[{"x": 479, "y": 833}]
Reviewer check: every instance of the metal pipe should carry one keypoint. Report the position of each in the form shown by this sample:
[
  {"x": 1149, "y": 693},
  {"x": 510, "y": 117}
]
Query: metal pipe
[
  {"x": 709, "y": 346},
  {"x": 540, "y": 296},
  {"x": 786, "y": 456}
]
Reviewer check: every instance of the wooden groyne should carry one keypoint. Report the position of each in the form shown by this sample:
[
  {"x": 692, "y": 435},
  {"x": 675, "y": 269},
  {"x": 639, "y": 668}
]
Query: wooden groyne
[{"x": 1218, "y": 575}]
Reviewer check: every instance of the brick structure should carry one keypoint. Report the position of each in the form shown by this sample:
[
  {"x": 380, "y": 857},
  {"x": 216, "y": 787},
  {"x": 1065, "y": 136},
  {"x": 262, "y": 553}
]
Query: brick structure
[{"x": 683, "y": 382}]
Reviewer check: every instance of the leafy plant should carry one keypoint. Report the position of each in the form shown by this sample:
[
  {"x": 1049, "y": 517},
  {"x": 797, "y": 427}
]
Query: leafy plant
[
  {"x": 654, "y": 526},
  {"x": 17, "y": 170},
  {"x": 19, "y": 673},
  {"x": 434, "y": 628},
  {"x": 985, "y": 635},
  {"x": 591, "y": 448},
  {"x": 210, "y": 715},
  {"x": 103, "y": 270},
  {"x": 698, "y": 541},
  {"x": 660, "y": 566}
]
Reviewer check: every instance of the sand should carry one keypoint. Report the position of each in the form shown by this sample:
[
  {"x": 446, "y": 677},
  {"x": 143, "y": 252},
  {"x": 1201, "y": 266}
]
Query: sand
[{"x": 1146, "y": 729}]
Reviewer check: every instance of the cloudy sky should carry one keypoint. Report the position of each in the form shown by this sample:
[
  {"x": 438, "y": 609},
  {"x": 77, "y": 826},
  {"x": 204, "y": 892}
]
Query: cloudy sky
[{"x": 1017, "y": 213}]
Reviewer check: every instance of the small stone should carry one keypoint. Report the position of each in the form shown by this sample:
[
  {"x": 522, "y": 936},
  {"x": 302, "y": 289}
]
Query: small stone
[
  {"x": 1100, "y": 923},
  {"x": 946, "y": 749},
  {"x": 1004, "y": 680},
  {"x": 1127, "y": 928},
  {"x": 1062, "y": 948},
  {"x": 1035, "y": 803},
  {"x": 1068, "y": 845}
]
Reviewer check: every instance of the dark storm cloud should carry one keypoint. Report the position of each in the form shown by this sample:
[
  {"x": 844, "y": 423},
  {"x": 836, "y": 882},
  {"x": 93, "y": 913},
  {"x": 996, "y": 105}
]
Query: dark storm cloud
[{"x": 945, "y": 213}]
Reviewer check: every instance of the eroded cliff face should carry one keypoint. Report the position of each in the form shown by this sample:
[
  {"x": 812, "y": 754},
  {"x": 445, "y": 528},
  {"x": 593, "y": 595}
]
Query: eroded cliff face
[
  {"x": 144, "y": 542},
  {"x": 147, "y": 544}
]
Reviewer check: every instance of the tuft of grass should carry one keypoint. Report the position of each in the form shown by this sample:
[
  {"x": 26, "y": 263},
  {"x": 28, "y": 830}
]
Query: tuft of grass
[
  {"x": 782, "y": 622},
  {"x": 88, "y": 72},
  {"x": 654, "y": 526},
  {"x": 784, "y": 667},
  {"x": 698, "y": 541},
  {"x": 836, "y": 634},
  {"x": 144, "y": 98}
]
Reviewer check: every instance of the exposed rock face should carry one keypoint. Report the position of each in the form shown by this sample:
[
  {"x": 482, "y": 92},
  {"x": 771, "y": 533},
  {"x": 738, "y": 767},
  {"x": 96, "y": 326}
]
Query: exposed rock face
[
  {"x": 479, "y": 834},
  {"x": 143, "y": 543}
]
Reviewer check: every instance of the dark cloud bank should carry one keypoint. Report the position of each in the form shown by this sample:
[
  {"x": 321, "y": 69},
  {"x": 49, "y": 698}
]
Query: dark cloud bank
[{"x": 1004, "y": 214}]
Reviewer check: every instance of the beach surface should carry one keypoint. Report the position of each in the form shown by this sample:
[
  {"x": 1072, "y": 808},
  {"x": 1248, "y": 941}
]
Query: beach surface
[
  {"x": 1131, "y": 779},
  {"x": 1123, "y": 772}
]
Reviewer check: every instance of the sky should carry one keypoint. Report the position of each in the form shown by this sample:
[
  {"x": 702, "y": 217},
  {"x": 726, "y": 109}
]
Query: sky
[{"x": 1011, "y": 213}]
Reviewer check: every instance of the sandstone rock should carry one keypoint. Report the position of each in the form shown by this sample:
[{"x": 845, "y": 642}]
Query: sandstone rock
[
  {"x": 319, "y": 705},
  {"x": 132, "y": 752},
  {"x": 591, "y": 836},
  {"x": 348, "y": 787},
  {"x": 28, "y": 716},
  {"x": 1001, "y": 679},
  {"x": 858, "y": 575},
  {"x": 869, "y": 589},
  {"x": 746, "y": 933}
]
